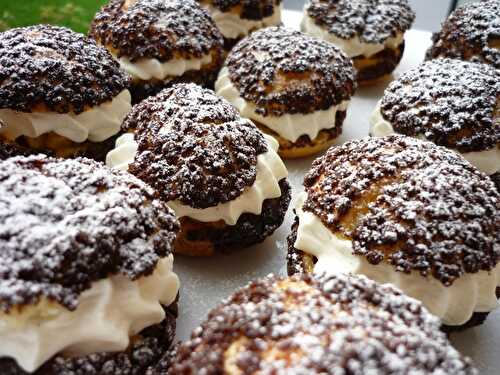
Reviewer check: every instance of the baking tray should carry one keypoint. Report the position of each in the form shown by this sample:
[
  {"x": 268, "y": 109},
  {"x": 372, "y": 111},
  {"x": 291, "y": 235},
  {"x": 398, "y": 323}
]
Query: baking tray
[{"x": 207, "y": 281}]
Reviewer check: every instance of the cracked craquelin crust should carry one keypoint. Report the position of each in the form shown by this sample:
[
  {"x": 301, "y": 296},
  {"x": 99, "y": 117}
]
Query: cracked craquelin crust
[
  {"x": 452, "y": 103},
  {"x": 68, "y": 223},
  {"x": 373, "y": 21},
  {"x": 323, "y": 325},
  {"x": 50, "y": 68},
  {"x": 148, "y": 354},
  {"x": 160, "y": 29},
  {"x": 285, "y": 71},
  {"x": 254, "y": 10},
  {"x": 412, "y": 204},
  {"x": 193, "y": 146},
  {"x": 472, "y": 32}
]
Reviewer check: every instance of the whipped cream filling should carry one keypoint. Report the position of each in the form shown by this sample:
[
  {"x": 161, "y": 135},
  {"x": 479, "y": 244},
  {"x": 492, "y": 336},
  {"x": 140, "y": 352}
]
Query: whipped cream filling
[
  {"x": 454, "y": 305},
  {"x": 270, "y": 170},
  {"x": 96, "y": 124},
  {"x": 487, "y": 161},
  {"x": 147, "y": 69},
  {"x": 108, "y": 315},
  {"x": 289, "y": 126},
  {"x": 232, "y": 26},
  {"x": 352, "y": 47}
]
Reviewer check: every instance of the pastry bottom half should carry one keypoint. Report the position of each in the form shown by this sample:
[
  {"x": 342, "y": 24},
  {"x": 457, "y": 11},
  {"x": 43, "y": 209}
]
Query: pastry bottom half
[
  {"x": 304, "y": 146},
  {"x": 198, "y": 238},
  {"x": 373, "y": 69}
]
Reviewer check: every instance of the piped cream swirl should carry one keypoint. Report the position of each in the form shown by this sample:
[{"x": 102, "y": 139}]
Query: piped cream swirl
[
  {"x": 288, "y": 126},
  {"x": 487, "y": 161},
  {"x": 454, "y": 304},
  {"x": 108, "y": 315},
  {"x": 96, "y": 124},
  {"x": 147, "y": 69},
  {"x": 270, "y": 170}
]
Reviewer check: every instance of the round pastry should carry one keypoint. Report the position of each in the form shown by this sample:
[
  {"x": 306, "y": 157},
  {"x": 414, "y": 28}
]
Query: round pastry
[
  {"x": 160, "y": 42},
  {"x": 238, "y": 18},
  {"x": 451, "y": 103},
  {"x": 471, "y": 32},
  {"x": 60, "y": 93},
  {"x": 294, "y": 87},
  {"x": 371, "y": 32},
  {"x": 324, "y": 325},
  {"x": 216, "y": 170},
  {"x": 86, "y": 280},
  {"x": 406, "y": 212}
]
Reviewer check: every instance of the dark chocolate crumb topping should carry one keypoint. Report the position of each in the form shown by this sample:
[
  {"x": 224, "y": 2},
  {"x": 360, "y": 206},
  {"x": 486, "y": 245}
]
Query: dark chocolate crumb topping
[
  {"x": 472, "y": 32},
  {"x": 48, "y": 67},
  {"x": 412, "y": 204},
  {"x": 285, "y": 71},
  {"x": 373, "y": 21},
  {"x": 68, "y": 223},
  {"x": 194, "y": 146},
  {"x": 450, "y": 102},
  {"x": 324, "y": 325},
  {"x": 161, "y": 29},
  {"x": 247, "y": 9}
]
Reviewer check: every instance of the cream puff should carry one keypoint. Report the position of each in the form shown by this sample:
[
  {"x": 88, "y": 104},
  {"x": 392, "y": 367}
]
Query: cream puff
[
  {"x": 325, "y": 325},
  {"x": 407, "y": 212},
  {"x": 215, "y": 169},
  {"x": 371, "y": 32},
  {"x": 238, "y": 18},
  {"x": 451, "y": 103},
  {"x": 471, "y": 32},
  {"x": 294, "y": 87},
  {"x": 160, "y": 42},
  {"x": 86, "y": 280},
  {"x": 60, "y": 93}
]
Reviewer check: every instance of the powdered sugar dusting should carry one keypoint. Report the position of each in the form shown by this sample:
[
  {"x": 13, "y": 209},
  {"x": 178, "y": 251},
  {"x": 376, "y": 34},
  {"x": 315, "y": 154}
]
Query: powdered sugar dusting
[
  {"x": 472, "y": 32},
  {"x": 67, "y": 223},
  {"x": 450, "y": 102},
  {"x": 285, "y": 71},
  {"x": 415, "y": 205},
  {"x": 373, "y": 21},
  {"x": 194, "y": 146},
  {"x": 330, "y": 325},
  {"x": 157, "y": 29},
  {"x": 57, "y": 68}
]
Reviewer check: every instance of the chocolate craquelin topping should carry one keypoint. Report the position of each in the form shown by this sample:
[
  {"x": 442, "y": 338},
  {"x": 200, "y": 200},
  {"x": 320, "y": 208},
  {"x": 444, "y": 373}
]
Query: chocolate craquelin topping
[
  {"x": 53, "y": 68},
  {"x": 68, "y": 223},
  {"x": 324, "y": 325},
  {"x": 450, "y": 102},
  {"x": 373, "y": 21},
  {"x": 159, "y": 29},
  {"x": 194, "y": 146},
  {"x": 285, "y": 71},
  {"x": 412, "y": 204},
  {"x": 472, "y": 32},
  {"x": 247, "y": 9}
]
